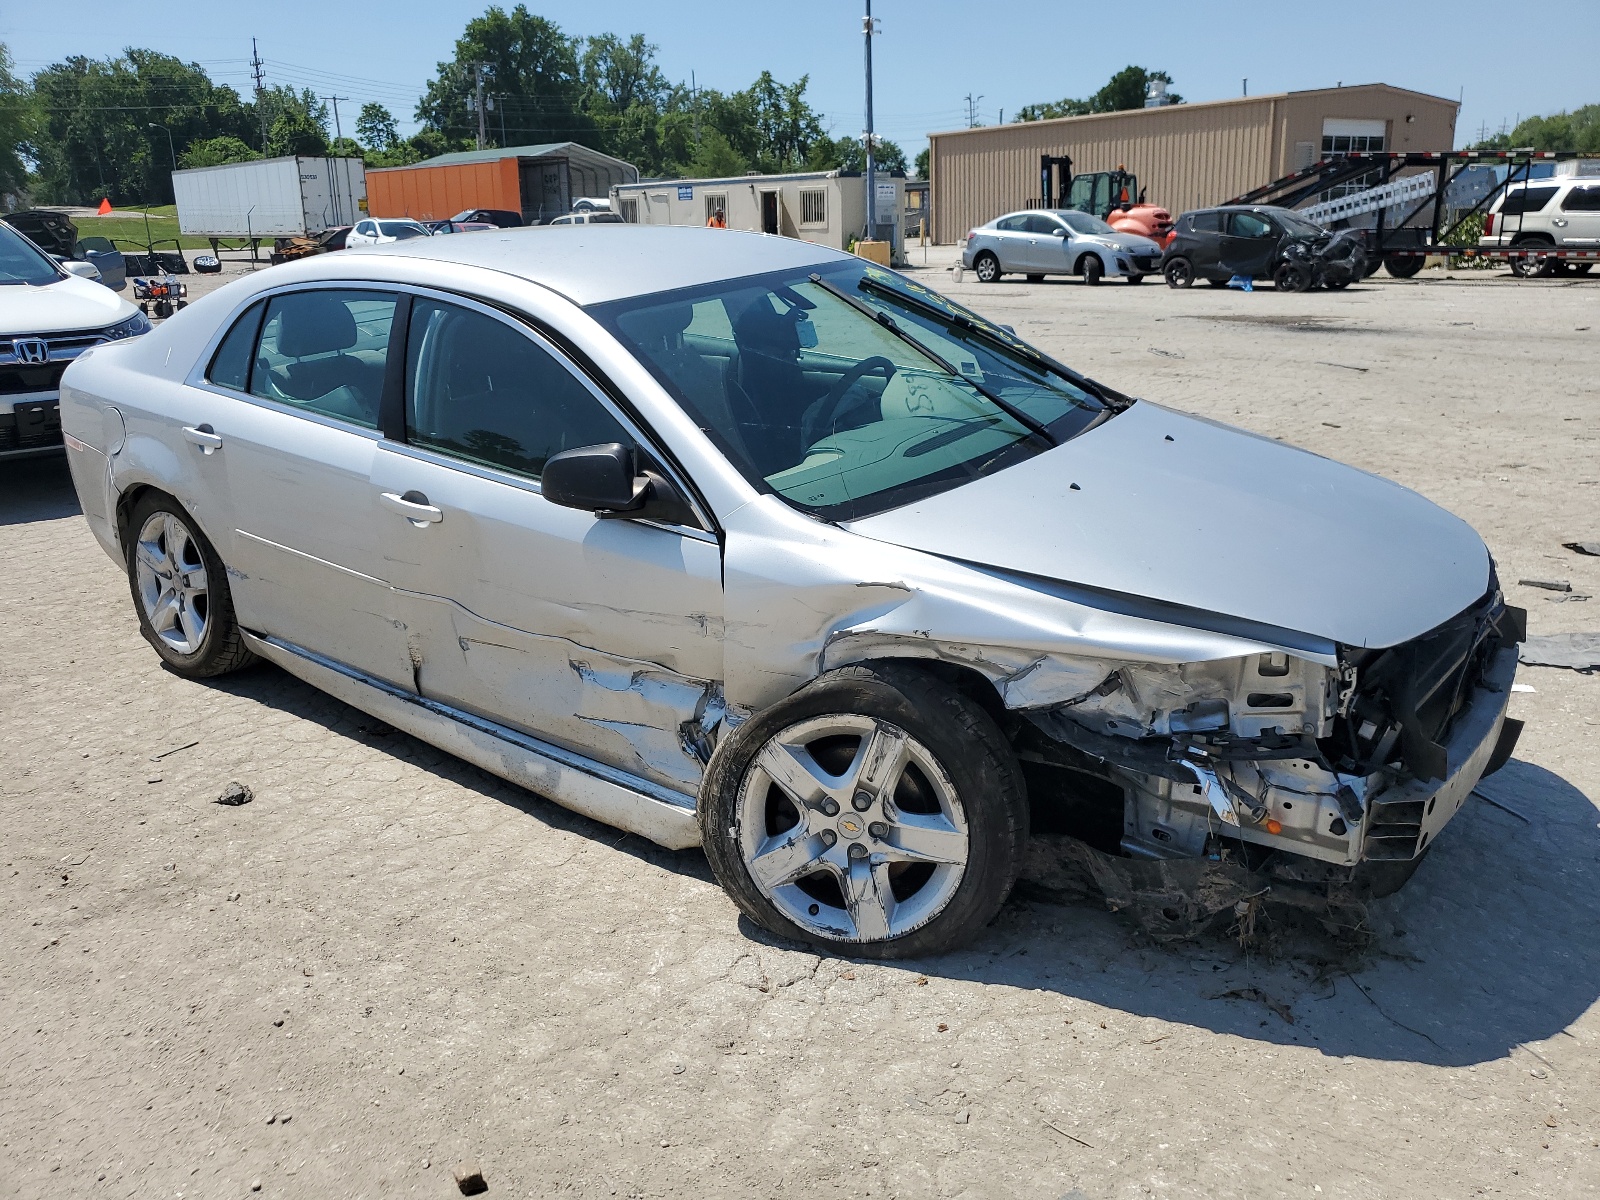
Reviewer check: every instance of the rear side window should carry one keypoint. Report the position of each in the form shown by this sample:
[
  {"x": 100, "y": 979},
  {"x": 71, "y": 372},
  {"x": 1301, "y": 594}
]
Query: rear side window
[
  {"x": 1579, "y": 199},
  {"x": 230, "y": 365},
  {"x": 1527, "y": 200},
  {"x": 480, "y": 390},
  {"x": 1205, "y": 222},
  {"x": 325, "y": 351}
]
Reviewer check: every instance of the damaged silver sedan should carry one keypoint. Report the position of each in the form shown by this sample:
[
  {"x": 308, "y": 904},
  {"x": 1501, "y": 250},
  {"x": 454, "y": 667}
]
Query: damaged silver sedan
[{"x": 737, "y": 541}]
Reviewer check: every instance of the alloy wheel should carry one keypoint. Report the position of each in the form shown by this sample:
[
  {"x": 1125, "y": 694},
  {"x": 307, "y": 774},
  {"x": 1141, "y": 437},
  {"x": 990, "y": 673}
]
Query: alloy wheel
[
  {"x": 852, "y": 828},
  {"x": 171, "y": 578}
]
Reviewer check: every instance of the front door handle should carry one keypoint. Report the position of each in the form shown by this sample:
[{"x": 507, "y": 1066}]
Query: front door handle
[
  {"x": 203, "y": 436},
  {"x": 413, "y": 506}
]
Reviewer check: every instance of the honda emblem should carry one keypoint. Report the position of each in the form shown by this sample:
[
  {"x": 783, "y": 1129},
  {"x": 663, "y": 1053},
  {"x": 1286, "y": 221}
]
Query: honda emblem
[{"x": 31, "y": 350}]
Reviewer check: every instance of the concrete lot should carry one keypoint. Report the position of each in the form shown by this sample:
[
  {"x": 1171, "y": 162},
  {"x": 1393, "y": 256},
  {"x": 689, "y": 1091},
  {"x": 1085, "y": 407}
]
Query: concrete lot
[{"x": 391, "y": 964}]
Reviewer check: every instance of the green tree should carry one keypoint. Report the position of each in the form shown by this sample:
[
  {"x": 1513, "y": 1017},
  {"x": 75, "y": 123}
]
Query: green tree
[
  {"x": 103, "y": 124},
  {"x": 714, "y": 158},
  {"x": 923, "y": 157},
  {"x": 293, "y": 131},
  {"x": 532, "y": 71},
  {"x": 345, "y": 148},
  {"x": 376, "y": 127},
  {"x": 1578, "y": 130},
  {"x": 16, "y": 127},
  {"x": 1125, "y": 90},
  {"x": 216, "y": 152},
  {"x": 846, "y": 154}
]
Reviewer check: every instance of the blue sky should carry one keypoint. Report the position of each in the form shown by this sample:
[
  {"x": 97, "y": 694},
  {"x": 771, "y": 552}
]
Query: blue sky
[{"x": 931, "y": 55}]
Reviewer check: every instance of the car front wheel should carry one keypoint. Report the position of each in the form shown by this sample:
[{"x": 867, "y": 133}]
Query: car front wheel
[
  {"x": 876, "y": 812},
  {"x": 180, "y": 592},
  {"x": 987, "y": 267},
  {"x": 1093, "y": 269}
]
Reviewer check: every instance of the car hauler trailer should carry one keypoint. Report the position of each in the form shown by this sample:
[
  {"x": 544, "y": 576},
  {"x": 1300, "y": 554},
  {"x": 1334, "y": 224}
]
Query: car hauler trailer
[
  {"x": 1403, "y": 246},
  {"x": 273, "y": 198}
]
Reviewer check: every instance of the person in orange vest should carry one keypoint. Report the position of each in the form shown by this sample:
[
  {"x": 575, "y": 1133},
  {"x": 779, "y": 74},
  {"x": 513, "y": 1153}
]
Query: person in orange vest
[{"x": 717, "y": 220}]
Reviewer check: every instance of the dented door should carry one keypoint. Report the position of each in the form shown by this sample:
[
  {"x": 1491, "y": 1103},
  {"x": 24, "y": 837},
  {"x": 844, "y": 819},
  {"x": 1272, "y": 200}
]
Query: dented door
[{"x": 603, "y": 636}]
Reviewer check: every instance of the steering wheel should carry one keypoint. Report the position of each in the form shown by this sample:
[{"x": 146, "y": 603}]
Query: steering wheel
[{"x": 822, "y": 411}]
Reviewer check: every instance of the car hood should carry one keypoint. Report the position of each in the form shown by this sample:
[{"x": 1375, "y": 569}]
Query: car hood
[
  {"x": 69, "y": 304},
  {"x": 1158, "y": 504}
]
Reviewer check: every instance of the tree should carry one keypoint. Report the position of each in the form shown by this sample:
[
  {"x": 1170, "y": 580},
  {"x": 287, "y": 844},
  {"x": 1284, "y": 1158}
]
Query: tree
[
  {"x": 293, "y": 131},
  {"x": 923, "y": 157},
  {"x": 1577, "y": 131},
  {"x": 533, "y": 72},
  {"x": 345, "y": 148},
  {"x": 16, "y": 127},
  {"x": 715, "y": 158},
  {"x": 376, "y": 127},
  {"x": 846, "y": 154},
  {"x": 619, "y": 75},
  {"x": 1125, "y": 90},
  {"x": 216, "y": 152}
]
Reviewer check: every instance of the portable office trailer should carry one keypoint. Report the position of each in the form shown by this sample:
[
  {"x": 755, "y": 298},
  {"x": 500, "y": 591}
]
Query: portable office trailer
[
  {"x": 541, "y": 182},
  {"x": 1185, "y": 155},
  {"x": 270, "y": 198},
  {"x": 825, "y": 207}
]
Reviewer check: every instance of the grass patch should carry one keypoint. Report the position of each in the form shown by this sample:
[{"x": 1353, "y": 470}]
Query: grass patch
[{"x": 128, "y": 232}]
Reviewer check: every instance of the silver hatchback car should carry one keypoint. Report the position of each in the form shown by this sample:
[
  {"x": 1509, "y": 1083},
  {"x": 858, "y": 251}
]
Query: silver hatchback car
[
  {"x": 1047, "y": 241},
  {"x": 738, "y": 541}
]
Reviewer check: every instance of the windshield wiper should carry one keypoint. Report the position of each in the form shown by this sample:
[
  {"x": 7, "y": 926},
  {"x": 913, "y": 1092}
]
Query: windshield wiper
[
  {"x": 1020, "y": 348},
  {"x": 1032, "y": 424}
]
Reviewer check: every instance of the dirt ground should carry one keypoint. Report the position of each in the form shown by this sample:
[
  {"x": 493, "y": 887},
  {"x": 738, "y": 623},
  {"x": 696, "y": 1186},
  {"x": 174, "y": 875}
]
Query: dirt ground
[{"x": 391, "y": 964}]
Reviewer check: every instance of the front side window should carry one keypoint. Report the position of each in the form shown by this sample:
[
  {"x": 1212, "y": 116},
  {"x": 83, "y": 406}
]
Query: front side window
[
  {"x": 1048, "y": 226},
  {"x": 480, "y": 390},
  {"x": 1249, "y": 225},
  {"x": 325, "y": 351},
  {"x": 810, "y": 395}
]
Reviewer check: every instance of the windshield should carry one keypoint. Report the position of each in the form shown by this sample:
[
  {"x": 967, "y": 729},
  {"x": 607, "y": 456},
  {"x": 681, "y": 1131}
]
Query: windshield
[
  {"x": 23, "y": 262},
  {"x": 1082, "y": 222},
  {"x": 401, "y": 230},
  {"x": 1296, "y": 224},
  {"x": 803, "y": 381}
]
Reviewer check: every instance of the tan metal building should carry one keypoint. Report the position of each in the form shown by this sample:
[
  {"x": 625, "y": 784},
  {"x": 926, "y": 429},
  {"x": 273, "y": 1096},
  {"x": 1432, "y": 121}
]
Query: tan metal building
[{"x": 1185, "y": 155}]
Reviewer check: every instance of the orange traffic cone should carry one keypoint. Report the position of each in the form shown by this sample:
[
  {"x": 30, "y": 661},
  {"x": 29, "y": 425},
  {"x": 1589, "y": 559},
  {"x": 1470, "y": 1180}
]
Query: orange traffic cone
[{"x": 105, "y": 208}]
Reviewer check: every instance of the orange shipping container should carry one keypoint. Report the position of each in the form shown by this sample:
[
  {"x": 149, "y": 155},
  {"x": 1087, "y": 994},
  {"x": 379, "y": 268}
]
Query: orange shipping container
[{"x": 436, "y": 193}]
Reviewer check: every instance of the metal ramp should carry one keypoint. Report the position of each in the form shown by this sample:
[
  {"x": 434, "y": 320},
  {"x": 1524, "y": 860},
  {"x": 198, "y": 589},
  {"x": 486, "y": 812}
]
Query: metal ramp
[{"x": 1388, "y": 195}]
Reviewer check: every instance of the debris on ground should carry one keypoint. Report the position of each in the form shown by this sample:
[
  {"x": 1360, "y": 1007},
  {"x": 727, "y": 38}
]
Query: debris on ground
[
  {"x": 174, "y": 750},
  {"x": 1549, "y": 585},
  {"x": 236, "y": 794},
  {"x": 1590, "y": 548},
  {"x": 1165, "y": 353},
  {"x": 1569, "y": 598},
  {"x": 1343, "y": 366},
  {"x": 1278, "y": 1007},
  {"x": 1575, "y": 651},
  {"x": 471, "y": 1181}
]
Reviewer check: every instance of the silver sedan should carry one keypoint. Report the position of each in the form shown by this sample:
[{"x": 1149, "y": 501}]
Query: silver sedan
[
  {"x": 740, "y": 542},
  {"x": 1048, "y": 241}
]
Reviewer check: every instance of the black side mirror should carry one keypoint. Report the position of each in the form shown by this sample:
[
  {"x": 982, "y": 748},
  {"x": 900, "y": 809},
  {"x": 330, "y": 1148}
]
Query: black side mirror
[{"x": 606, "y": 481}]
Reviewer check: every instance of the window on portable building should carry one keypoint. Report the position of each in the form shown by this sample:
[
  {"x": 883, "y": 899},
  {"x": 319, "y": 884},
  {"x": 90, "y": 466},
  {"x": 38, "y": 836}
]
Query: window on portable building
[{"x": 814, "y": 206}]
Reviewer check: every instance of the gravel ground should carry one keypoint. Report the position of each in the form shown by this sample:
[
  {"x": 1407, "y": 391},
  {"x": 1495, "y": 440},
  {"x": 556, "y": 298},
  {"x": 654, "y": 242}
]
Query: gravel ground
[{"x": 390, "y": 965}]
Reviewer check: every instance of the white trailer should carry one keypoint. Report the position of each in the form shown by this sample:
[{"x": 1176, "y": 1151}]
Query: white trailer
[{"x": 270, "y": 198}]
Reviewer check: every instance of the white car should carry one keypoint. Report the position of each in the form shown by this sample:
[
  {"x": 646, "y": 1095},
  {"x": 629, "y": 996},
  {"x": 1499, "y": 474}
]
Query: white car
[
  {"x": 745, "y": 542},
  {"x": 49, "y": 315},
  {"x": 1054, "y": 241},
  {"x": 376, "y": 231},
  {"x": 1562, "y": 212}
]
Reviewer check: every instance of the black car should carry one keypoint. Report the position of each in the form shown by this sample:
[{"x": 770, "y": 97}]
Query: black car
[{"x": 1261, "y": 242}]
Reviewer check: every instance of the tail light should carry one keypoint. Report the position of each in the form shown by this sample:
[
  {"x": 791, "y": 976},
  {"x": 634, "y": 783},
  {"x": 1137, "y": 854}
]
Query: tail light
[
  {"x": 1488, "y": 225},
  {"x": 971, "y": 233}
]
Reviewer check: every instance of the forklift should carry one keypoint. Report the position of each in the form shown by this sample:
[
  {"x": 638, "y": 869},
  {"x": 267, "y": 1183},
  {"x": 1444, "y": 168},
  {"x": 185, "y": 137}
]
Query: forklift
[{"x": 1113, "y": 196}]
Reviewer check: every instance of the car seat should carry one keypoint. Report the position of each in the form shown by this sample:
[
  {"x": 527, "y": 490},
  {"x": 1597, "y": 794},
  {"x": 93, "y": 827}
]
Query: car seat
[{"x": 314, "y": 331}]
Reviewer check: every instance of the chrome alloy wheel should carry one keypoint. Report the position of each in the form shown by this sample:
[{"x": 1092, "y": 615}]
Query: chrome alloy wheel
[
  {"x": 172, "y": 582},
  {"x": 851, "y": 828}
]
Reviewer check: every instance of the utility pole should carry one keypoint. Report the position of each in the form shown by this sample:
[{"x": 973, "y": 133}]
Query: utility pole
[
  {"x": 338, "y": 133},
  {"x": 476, "y": 102},
  {"x": 869, "y": 28},
  {"x": 256, "y": 66},
  {"x": 972, "y": 110},
  {"x": 694, "y": 100}
]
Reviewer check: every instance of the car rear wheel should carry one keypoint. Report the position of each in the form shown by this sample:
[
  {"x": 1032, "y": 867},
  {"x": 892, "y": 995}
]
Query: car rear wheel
[
  {"x": 1179, "y": 273},
  {"x": 987, "y": 267},
  {"x": 180, "y": 591},
  {"x": 1093, "y": 269},
  {"x": 876, "y": 812},
  {"x": 1403, "y": 266},
  {"x": 1529, "y": 267}
]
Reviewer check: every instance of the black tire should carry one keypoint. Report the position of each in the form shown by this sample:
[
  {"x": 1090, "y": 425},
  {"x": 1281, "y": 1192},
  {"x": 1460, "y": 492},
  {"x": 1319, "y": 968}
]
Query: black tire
[
  {"x": 1403, "y": 266},
  {"x": 1134, "y": 278},
  {"x": 1035, "y": 278},
  {"x": 968, "y": 747},
  {"x": 1179, "y": 272},
  {"x": 1533, "y": 268},
  {"x": 1093, "y": 269},
  {"x": 1291, "y": 277},
  {"x": 221, "y": 648},
  {"x": 987, "y": 268}
]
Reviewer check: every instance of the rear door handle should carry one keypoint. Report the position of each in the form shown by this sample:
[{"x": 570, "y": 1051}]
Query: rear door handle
[
  {"x": 413, "y": 506},
  {"x": 203, "y": 436}
]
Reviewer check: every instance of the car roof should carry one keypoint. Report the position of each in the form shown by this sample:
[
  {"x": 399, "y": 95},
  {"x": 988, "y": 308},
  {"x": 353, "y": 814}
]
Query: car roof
[{"x": 593, "y": 265}]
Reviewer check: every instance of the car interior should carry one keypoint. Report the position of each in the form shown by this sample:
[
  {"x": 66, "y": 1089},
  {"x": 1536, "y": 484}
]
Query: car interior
[{"x": 325, "y": 351}]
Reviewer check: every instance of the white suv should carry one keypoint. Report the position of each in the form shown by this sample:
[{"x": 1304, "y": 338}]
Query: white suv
[{"x": 1562, "y": 212}]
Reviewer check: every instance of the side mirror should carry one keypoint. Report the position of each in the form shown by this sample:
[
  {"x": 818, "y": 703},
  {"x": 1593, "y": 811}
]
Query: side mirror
[
  {"x": 80, "y": 268},
  {"x": 605, "y": 480}
]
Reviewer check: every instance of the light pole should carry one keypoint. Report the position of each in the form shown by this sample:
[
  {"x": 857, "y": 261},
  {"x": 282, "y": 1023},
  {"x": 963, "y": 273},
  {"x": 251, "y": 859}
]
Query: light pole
[
  {"x": 869, "y": 28},
  {"x": 171, "y": 149}
]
